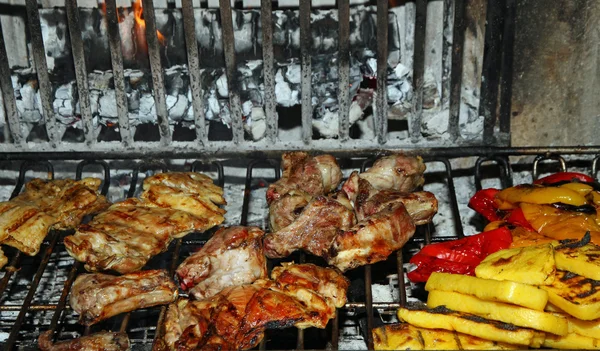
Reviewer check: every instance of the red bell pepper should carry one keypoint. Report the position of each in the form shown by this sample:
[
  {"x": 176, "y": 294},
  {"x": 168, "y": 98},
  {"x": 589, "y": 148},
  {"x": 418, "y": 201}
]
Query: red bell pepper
[
  {"x": 483, "y": 203},
  {"x": 564, "y": 177},
  {"x": 458, "y": 256},
  {"x": 516, "y": 217}
]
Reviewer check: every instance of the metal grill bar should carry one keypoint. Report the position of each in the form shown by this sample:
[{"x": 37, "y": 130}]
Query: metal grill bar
[
  {"x": 116, "y": 57},
  {"x": 8, "y": 95},
  {"x": 458, "y": 38},
  {"x": 491, "y": 69},
  {"x": 230, "y": 68},
  {"x": 447, "y": 48},
  {"x": 508, "y": 38},
  {"x": 158, "y": 84},
  {"x": 344, "y": 69},
  {"x": 193, "y": 59},
  {"x": 266, "y": 15},
  {"x": 381, "y": 124},
  {"x": 80, "y": 70},
  {"x": 418, "y": 69},
  {"x": 306, "y": 67},
  {"x": 41, "y": 67}
]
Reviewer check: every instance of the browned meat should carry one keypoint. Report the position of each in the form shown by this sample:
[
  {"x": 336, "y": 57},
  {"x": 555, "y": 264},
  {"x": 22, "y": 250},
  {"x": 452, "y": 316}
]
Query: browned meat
[
  {"x": 315, "y": 229},
  {"x": 61, "y": 204},
  {"x": 3, "y": 259},
  {"x": 233, "y": 256},
  {"x": 129, "y": 233},
  {"x": 372, "y": 239},
  {"x": 96, "y": 296},
  {"x": 102, "y": 341},
  {"x": 237, "y": 317},
  {"x": 421, "y": 205},
  {"x": 317, "y": 175},
  {"x": 286, "y": 209},
  {"x": 395, "y": 172}
]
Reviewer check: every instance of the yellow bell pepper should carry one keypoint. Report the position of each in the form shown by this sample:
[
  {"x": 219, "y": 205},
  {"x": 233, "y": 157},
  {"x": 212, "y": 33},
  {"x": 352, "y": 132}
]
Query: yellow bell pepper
[
  {"x": 494, "y": 225},
  {"x": 508, "y": 198},
  {"x": 580, "y": 188}
]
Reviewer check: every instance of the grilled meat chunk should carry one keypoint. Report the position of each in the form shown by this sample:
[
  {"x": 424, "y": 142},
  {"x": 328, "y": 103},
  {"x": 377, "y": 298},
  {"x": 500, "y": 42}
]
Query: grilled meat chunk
[
  {"x": 129, "y": 233},
  {"x": 3, "y": 259},
  {"x": 287, "y": 208},
  {"x": 372, "y": 239},
  {"x": 45, "y": 204},
  {"x": 236, "y": 318},
  {"x": 317, "y": 175},
  {"x": 233, "y": 256},
  {"x": 421, "y": 205},
  {"x": 96, "y": 296},
  {"x": 315, "y": 229},
  {"x": 395, "y": 172},
  {"x": 102, "y": 341}
]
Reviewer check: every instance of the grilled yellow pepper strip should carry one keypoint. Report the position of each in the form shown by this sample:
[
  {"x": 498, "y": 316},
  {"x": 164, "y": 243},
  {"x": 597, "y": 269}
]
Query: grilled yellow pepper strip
[
  {"x": 580, "y": 188},
  {"x": 510, "y": 197}
]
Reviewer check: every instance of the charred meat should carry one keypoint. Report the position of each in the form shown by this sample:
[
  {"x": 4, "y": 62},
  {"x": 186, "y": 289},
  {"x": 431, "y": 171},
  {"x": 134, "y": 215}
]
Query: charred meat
[
  {"x": 233, "y": 256},
  {"x": 96, "y": 296},
  {"x": 102, "y": 341}
]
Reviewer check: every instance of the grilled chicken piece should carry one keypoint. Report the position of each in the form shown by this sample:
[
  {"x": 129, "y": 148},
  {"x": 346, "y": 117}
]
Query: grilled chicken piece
[
  {"x": 96, "y": 296},
  {"x": 128, "y": 234},
  {"x": 287, "y": 208},
  {"x": 315, "y": 229},
  {"x": 317, "y": 175},
  {"x": 395, "y": 172},
  {"x": 421, "y": 205},
  {"x": 372, "y": 239},
  {"x": 233, "y": 256},
  {"x": 45, "y": 204},
  {"x": 102, "y": 341},
  {"x": 236, "y": 318},
  {"x": 191, "y": 192},
  {"x": 3, "y": 259}
]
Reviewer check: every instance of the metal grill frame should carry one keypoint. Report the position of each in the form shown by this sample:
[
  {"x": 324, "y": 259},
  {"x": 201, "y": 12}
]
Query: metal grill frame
[
  {"x": 496, "y": 83},
  {"x": 499, "y": 158}
]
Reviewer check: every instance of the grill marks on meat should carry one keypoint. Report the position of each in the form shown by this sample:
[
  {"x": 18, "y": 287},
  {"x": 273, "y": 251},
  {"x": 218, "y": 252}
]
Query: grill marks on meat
[
  {"x": 130, "y": 232},
  {"x": 102, "y": 341},
  {"x": 298, "y": 295},
  {"x": 233, "y": 256},
  {"x": 45, "y": 204},
  {"x": 314, "y": 230},
  {"x": 96, "y": 297},
  {"x": 372, "y": 239}
]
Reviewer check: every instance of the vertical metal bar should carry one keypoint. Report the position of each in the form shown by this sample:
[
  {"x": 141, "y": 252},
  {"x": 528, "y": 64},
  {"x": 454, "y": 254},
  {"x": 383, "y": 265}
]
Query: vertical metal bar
[
  {"x": 63, "y": 297},
  {"x": 193, "y": 57},
  {"x": 266, "y": 15},
  {"x": 344, "y": 69},
  {"x": 8, "y": 95},
  {"x": 80, "y": 70},
  {"x": 418, "y": 69},
  {"x": 116, "y": 58},
  {"x": 369, "y": 306},
  {"x": 14, "y": 333},
  {"x": 381, "y": 123},
  {"x": 158, "y": 84},
  {"x": 453, "y": 201},
  {"x": 306, "y": 67},
  {"x": 335, "y": 330},
  {"x": 235, "y": 106},
  {"x": 490, "y": 70},
  {"x": 507, "y": 69},
  {"x": 401, "y": 283},
  {"x": 447, "y": 51},
  {"x": 41, "y": 67},
  {"x": 458, "y": 38}
]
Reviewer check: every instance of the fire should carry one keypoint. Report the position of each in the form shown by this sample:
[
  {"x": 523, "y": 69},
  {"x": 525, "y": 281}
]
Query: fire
[{"x": 140, "y": 23}]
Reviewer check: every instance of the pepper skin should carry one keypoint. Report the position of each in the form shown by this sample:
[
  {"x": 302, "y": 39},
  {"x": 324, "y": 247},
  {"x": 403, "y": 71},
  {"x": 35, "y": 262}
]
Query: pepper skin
[
  {"x": 483, "y": 203},
  {"x": 564, "y": 176},
  {"x": 534, "y": 194}
]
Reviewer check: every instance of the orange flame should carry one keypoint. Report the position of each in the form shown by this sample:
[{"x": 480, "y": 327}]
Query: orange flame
[{"x": 138, "y": 13}]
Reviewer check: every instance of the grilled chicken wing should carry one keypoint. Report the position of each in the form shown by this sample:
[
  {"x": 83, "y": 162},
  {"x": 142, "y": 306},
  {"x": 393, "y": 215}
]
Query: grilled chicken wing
[
  {"x": 396, "y": 172},
  {"x": 233, "y": 256},
  {"x": 129, "y": 233},
  {"x": 372, "y": 239},
  {"x": 421, "y": 205},
  {"x": 317, "y": 175},
  {"x": 98, "y": 296},
  {"x": 236, "y": 318},
  {"x": 102, "y": 341},
  {"x": 286, "y": 209},
  {"x": 45, "y": 204},
  {"x": 315, "y": 229}
]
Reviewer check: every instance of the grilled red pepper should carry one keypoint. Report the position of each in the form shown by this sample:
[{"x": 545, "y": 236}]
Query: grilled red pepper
[
  {"x": 483, "y": 203},
  {"x": 458, "y": 256},
  {"x": 564, "y": 177},
  {"x": 516, "y": 217}
]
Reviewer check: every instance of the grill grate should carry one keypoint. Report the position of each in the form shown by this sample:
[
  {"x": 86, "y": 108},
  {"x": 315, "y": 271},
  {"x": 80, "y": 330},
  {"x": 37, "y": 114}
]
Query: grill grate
[{"x": 26, "y": 310}]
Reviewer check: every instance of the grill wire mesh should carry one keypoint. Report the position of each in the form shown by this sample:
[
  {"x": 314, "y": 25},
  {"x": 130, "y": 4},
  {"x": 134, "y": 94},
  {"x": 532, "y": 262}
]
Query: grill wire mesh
[{"x": 34, "y": 290}]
